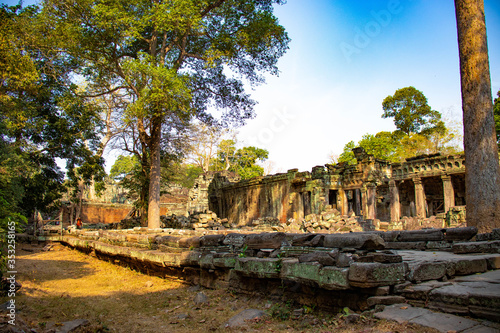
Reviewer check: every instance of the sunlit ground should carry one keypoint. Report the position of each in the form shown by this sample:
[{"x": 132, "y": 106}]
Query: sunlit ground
[{"x": 63, "y": 284}]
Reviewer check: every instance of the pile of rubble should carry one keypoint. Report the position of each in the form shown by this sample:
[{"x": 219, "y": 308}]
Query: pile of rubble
[
  {"x": 197, "y": 221},
  {"x": 330, "y": 221},
  {"x": 127, "y": 223}
]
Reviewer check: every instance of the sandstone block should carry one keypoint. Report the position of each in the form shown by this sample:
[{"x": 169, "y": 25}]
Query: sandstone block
[
  {"x": 354, "y": 240},
  {"x": 312, "y": 273},
  {"x": 211, "y": 240},
  {"x": 386, "y": 258},
  {"x": 167, "y": 240},
  {"x": 265, "y": 240},
  {"x": 368, "y": 275},
  {"x": 258, "y": 267},
  {"x": 406, "y": 245},
  {"x": 457, "y": 234},
  {"x": 425, "y": 270},
  {"x": 344, "y": 260},
  {"x": 225, "y": 260},
  {"x": 236, "y": 240},
  {"x": 467, "y": 266},
  {"x": 191, "y": 242},
  {"x": 384, "y": 300},
  {"x": 324, "y": 258},
  {"x": 421, "y": 235},
  {"x": 477, "y": 247}
]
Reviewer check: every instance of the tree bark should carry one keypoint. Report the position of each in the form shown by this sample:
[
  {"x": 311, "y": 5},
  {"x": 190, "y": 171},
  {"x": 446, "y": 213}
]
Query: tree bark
[
  {"x": 482, "y": 175},
  {"x": 154, "y": 175},
  {"x": 144, "y": 196}
]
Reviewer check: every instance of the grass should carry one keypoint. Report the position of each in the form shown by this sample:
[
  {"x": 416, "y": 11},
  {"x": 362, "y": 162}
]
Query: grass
[{"x": 63, "y": 285}]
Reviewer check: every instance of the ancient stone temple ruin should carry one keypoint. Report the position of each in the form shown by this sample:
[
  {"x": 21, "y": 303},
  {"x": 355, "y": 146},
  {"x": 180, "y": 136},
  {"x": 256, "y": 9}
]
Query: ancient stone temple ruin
[{"x": 423, "y": 186}]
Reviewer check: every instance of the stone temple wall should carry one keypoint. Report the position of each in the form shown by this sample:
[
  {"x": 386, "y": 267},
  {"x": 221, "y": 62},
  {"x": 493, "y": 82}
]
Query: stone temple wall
[{"x": 372, "y": 189}]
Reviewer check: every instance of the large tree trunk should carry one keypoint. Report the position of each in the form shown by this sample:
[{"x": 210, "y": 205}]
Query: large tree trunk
[
  {"x": 144, "y": 194},
  {"x": 154, "y": 174},
  {"x": 482, "y": 175}
]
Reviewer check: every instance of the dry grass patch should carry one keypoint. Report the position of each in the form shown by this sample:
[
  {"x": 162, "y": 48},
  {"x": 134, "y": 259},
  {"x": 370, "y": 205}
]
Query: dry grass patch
[{"x": 63, "y": 285}]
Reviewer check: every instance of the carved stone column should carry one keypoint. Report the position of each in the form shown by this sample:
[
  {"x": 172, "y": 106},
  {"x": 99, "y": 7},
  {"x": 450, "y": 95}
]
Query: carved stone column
[
  {"x": 364, "y": 205},
  {"x": 449, "y": 193},
  {"x": 395, "y": 205},
  {"x": 342, "y": 199},
  {"x": 371, "y": 201},
  {"x": 357, "y": 202},
  {"x": 419, "y": 197}
]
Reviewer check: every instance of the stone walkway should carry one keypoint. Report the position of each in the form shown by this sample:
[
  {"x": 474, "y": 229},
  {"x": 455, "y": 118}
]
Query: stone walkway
[{"x": 405, "y": 313}]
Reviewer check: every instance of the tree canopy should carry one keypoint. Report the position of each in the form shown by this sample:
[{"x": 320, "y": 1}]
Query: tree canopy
[
  {"x": 411, "y": 112},
  {"x": 41, "y": 117},
  {"x": 420, "y": 130},
  {"x": 170, "y": 60}
]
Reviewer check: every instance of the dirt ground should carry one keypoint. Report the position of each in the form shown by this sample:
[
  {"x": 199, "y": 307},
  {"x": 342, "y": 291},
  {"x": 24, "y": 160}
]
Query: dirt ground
[{"x": 63, "y": 284}]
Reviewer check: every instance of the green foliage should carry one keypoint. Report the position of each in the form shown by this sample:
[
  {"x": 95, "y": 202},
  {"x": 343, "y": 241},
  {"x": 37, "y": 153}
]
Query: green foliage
[
  {"x": 169, "y": 61},
  {"x": 496, "y": 112},
  {"x": 347, "y": 155},
  {"x": 124, "y": 166},
  {"x": 383, "y": 145},
  {"x": 411, "y": 112},
  {"x": 42, "y": 118},
  {"x": 243, "y": 253},
  {"x": 420, "y": 131},
  {"x": 281, "y": 311},
  {"x": 243, "y": 161},
  {"x": 188, "y": 174}
]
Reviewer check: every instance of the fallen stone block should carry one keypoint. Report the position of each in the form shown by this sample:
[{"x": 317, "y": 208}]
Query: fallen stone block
[
  {"x": 406, "y": 245},
  {"x": 368, "y": 275},
  {"x": 421, "y": 235},
  {"x": 421, "y": 291},
  {"x": 191, "y": 242},
  {"x": 384, "y": 300},
  {"x": 354, "y": 240},
  {"x": 167, "y": 240},
  {"x": 389, "y": 236},
  {"x": 344, "y": 260},
  {"x": 467, "y": 266},
  {"x": 259, "y": 267},
  {"x": 225, "y": 260},
  {"x": 451, "y": 298},
  {"x": 460, "y": 234},
  {"x": 236, "y": 240},
  {"x": 324, "y": 258},
  {"x": 211, "y": 240},
  {"x": 425, "y": 270},
  {"x": 207, "y": 261},
  {"x": 190, "y": 258},
  {"x": 265, "y": 240},
  {"x": 386, "y": 258},
  {"x": 477, "y": 247},
  {"x": 313, "y": 274}
]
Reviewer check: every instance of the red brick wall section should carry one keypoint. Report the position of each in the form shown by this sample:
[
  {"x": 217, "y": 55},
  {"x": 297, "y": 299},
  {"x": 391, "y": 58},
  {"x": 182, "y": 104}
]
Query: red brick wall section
[
  {"x": 111, "y": 213},
  {"x": 102, "y": 213}
]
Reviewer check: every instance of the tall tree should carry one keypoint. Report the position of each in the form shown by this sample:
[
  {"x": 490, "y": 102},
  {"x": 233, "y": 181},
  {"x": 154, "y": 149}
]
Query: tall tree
[
  {"x": 411, "y": 112},
  {"x": 482, "y": 175},
  {"x": 41, "y": 116},
  {"x": 496, "y": 112},
  {"x": 172, "y": 58}
]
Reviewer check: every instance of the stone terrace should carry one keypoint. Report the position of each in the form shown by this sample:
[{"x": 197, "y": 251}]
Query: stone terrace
[{"x": 451, "y": 270}]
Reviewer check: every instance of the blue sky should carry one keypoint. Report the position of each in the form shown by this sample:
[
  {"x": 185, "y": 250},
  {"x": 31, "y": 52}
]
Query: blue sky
[{"x": 345, "y": 57}]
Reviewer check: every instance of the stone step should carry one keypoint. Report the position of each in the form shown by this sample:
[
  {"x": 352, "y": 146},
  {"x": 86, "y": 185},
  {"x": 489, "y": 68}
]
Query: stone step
[{"x": 443, "y": 322}]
